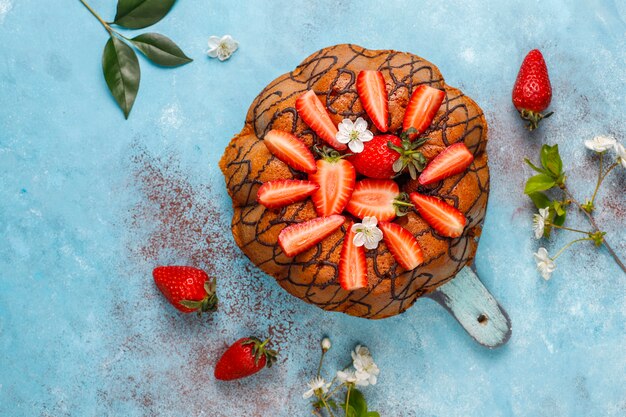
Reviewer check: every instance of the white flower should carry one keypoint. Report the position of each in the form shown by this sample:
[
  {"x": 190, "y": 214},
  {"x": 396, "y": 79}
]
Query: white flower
[
  {"x": 354, "y": 134},
  {"x": 316, "y": 385},
  {"x": 367, "y": 233},
  {"x": 366, "y": 370},
  {"x": 600, "y": 143},
  {"x": 326, "y": 344},
  {"x": 347, "y": 376},
  {"x": 545, "y": 264},
  {"x": 539, "y": 222},
  {"x": 621, "y": 153},
  {"x": 222, "y": 48}
]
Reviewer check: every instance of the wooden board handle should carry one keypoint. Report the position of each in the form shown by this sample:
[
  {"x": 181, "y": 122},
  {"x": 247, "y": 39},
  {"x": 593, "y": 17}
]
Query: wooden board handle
[{"x": 473, "y": 306}]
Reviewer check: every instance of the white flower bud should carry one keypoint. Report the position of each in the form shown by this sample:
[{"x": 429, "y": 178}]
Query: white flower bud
[{"x": 326, "y": 344}]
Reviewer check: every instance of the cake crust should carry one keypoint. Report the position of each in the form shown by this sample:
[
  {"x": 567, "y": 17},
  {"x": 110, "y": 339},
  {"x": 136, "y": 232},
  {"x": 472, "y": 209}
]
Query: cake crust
[{"x": 312, "y": 275}]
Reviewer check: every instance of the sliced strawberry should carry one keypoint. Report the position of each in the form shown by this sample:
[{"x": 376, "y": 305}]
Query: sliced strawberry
[
  {"x": 274, "y": 194},
  {"x": 299, "y": 237},
  {"x": 441, "y": 216},
  {"x": 402, "y": 245},
  {"x": 376, "y": 198},
  {"x": 291, "y": 150},
  {"x": 352, "y": 264},
  {"x": 453, "y": 160},
  {"x": 336, "y": 178},
  {"x": 373, "y": 95},
  {"x": 314, "y": 114},
  {"x": 422, "y": 108}
]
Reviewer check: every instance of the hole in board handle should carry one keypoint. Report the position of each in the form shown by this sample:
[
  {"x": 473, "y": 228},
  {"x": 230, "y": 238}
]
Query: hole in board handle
[{"x": 482, "y": 319}]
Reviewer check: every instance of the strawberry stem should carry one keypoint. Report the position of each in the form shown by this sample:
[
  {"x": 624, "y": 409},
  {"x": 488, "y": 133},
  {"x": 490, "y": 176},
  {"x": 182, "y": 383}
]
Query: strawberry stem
[{"x": 533, "y": 118}]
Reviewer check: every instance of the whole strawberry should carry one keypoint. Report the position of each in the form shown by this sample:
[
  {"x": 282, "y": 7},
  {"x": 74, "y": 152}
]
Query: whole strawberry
[
  {"x": 243, "y": 358},
  {"x": 532, "y": 91},
  {"x": 387, "y": 156},
  {"x": 188, "y": 289}
]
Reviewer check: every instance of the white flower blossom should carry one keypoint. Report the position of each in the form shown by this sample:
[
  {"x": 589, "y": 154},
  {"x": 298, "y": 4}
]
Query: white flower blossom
[
  {"x": 222, "y": 48},
  {"x": 354, "y": 134},
  {"x": 316, "y": 385},
  {"x": 600, "y": 143},
  {"x": 366, "y": 370},
  {"x": 367, "y": 233},
  {"x": 347, "y": 376},
  {"x": 545, "y": 264},
  {"x": 621, "y": 153},
  {"x": 326, "y": 344},
  {"x": 539, "y": 222}
]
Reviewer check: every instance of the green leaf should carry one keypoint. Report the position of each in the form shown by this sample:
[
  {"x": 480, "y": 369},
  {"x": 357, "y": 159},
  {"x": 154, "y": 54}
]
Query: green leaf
[
  {"x": 121, "y": 72},
  {"x": 372, "y": 414},
  {"x": 551, "y": 160},
  {"x": 540, "y": 199},
  {"x": 535, "y": 167},
  {"x": 558, "y": 208},
  {"x": 540, "y": 182},
  {"x": 161, "y": 50},
  {"x": 138, "y": 14},
  {"x": 559, "y": 220}
]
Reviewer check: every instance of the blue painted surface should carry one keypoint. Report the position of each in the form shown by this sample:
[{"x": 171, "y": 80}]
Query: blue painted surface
[{"x": 83, "y": 331}]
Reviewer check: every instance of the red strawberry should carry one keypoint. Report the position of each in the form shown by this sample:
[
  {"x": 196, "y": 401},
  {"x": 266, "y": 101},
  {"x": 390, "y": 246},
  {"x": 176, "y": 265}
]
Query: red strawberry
[
  {"x": 352, "y": 264},
  {"x": 420, "y": 112},
  {"x": 373, "y": 95},
  {"x": 314, "y": 114},
  {"x": 299, "y": 237},
  {"x": 441, "y": 216},
  {"x": 291, "y": 150},
  {"x": 243, "y": 358},
  {"x": 274, "y": 194},
  {"x": 335, "y": 177},
  {"x": 402, "y": 245},
  {"x": 386, "y": 156},
  {"x": 451, "y": 161},
  {"x": 188, "y": 289},
  {"x": 377, "y": 198},
  {"x": 532, "y": 91}
]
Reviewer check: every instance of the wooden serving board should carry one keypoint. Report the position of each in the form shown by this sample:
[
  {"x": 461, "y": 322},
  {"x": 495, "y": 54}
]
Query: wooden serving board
[{"x": 472, "y": 305}]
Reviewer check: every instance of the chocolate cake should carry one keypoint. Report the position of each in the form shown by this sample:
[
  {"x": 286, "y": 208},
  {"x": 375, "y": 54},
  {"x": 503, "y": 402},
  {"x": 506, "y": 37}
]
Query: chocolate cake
[{"x": 313, "y": 274}]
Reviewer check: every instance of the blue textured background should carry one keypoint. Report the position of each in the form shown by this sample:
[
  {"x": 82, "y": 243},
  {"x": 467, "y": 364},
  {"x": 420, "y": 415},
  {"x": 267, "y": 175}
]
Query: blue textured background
[{"x": 90, "y": 203}]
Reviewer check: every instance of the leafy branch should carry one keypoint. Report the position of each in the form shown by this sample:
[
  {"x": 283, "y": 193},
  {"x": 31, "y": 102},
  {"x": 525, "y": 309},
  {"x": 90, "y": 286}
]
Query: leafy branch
[
  {"x": 552, "y": 212},
  {"x": 119, "y": 61}
]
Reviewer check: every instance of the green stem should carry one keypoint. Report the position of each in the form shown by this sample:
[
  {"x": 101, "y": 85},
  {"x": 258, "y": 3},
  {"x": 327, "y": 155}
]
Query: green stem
[
  {"x": 568, "y": 245},
  {"x": 595, "y": 192},
  {"x": 330, "y": 413},
  {"x": 609, "y": 170},
  {"x": 334, "y": 390},
  {"x": 570, "y": 229},
  {"x": 319, "y": 367},
  {"x": 402, "y": 203},
  {"x": 348, "y": 398},
  {"x": 97, "y": 16},
  {"x": 105, "y": 24},
  {"x": 595, "y": 225}
]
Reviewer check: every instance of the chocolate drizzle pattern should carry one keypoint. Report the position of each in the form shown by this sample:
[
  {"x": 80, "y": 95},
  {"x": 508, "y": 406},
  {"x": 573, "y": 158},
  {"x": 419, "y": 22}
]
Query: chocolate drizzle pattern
[{"x": 312, "y": 275}]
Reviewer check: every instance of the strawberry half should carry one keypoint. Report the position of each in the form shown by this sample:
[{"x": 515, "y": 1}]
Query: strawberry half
[
  {"x": 370, "y": 85},
  {"x": 352, "y": 263},
  {"x": 441, "y": 216},
  {"x": 299, "y": 237},
  {"x": 335, "y": 177},
  {"x": 291, "y": 150},
  {"x": 421, "y": 110},
  {"x": 274, "y": 194},
  {"x": 377, "y": 198},
  {"x": 186, "y": 288},
  {"x": 314, "y": 114},
  {"x": 453, "y": 160},
  {"x": 402, "y": 245}
]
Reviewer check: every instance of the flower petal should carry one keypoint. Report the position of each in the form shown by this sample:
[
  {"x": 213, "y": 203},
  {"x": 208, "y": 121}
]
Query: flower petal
[
  {"x": 342, "y": 137},
  {"x": 356, "y": 146},
  {"x": 360, "y": 124},
  {"x": 359, "y": 239},
  {"x": 366, "y": 136},
  {"x": 214, "y": 42}
]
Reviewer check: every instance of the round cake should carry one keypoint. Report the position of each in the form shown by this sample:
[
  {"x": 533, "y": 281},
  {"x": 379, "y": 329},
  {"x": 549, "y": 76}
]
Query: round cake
[{"x": 390, "y": 284}]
